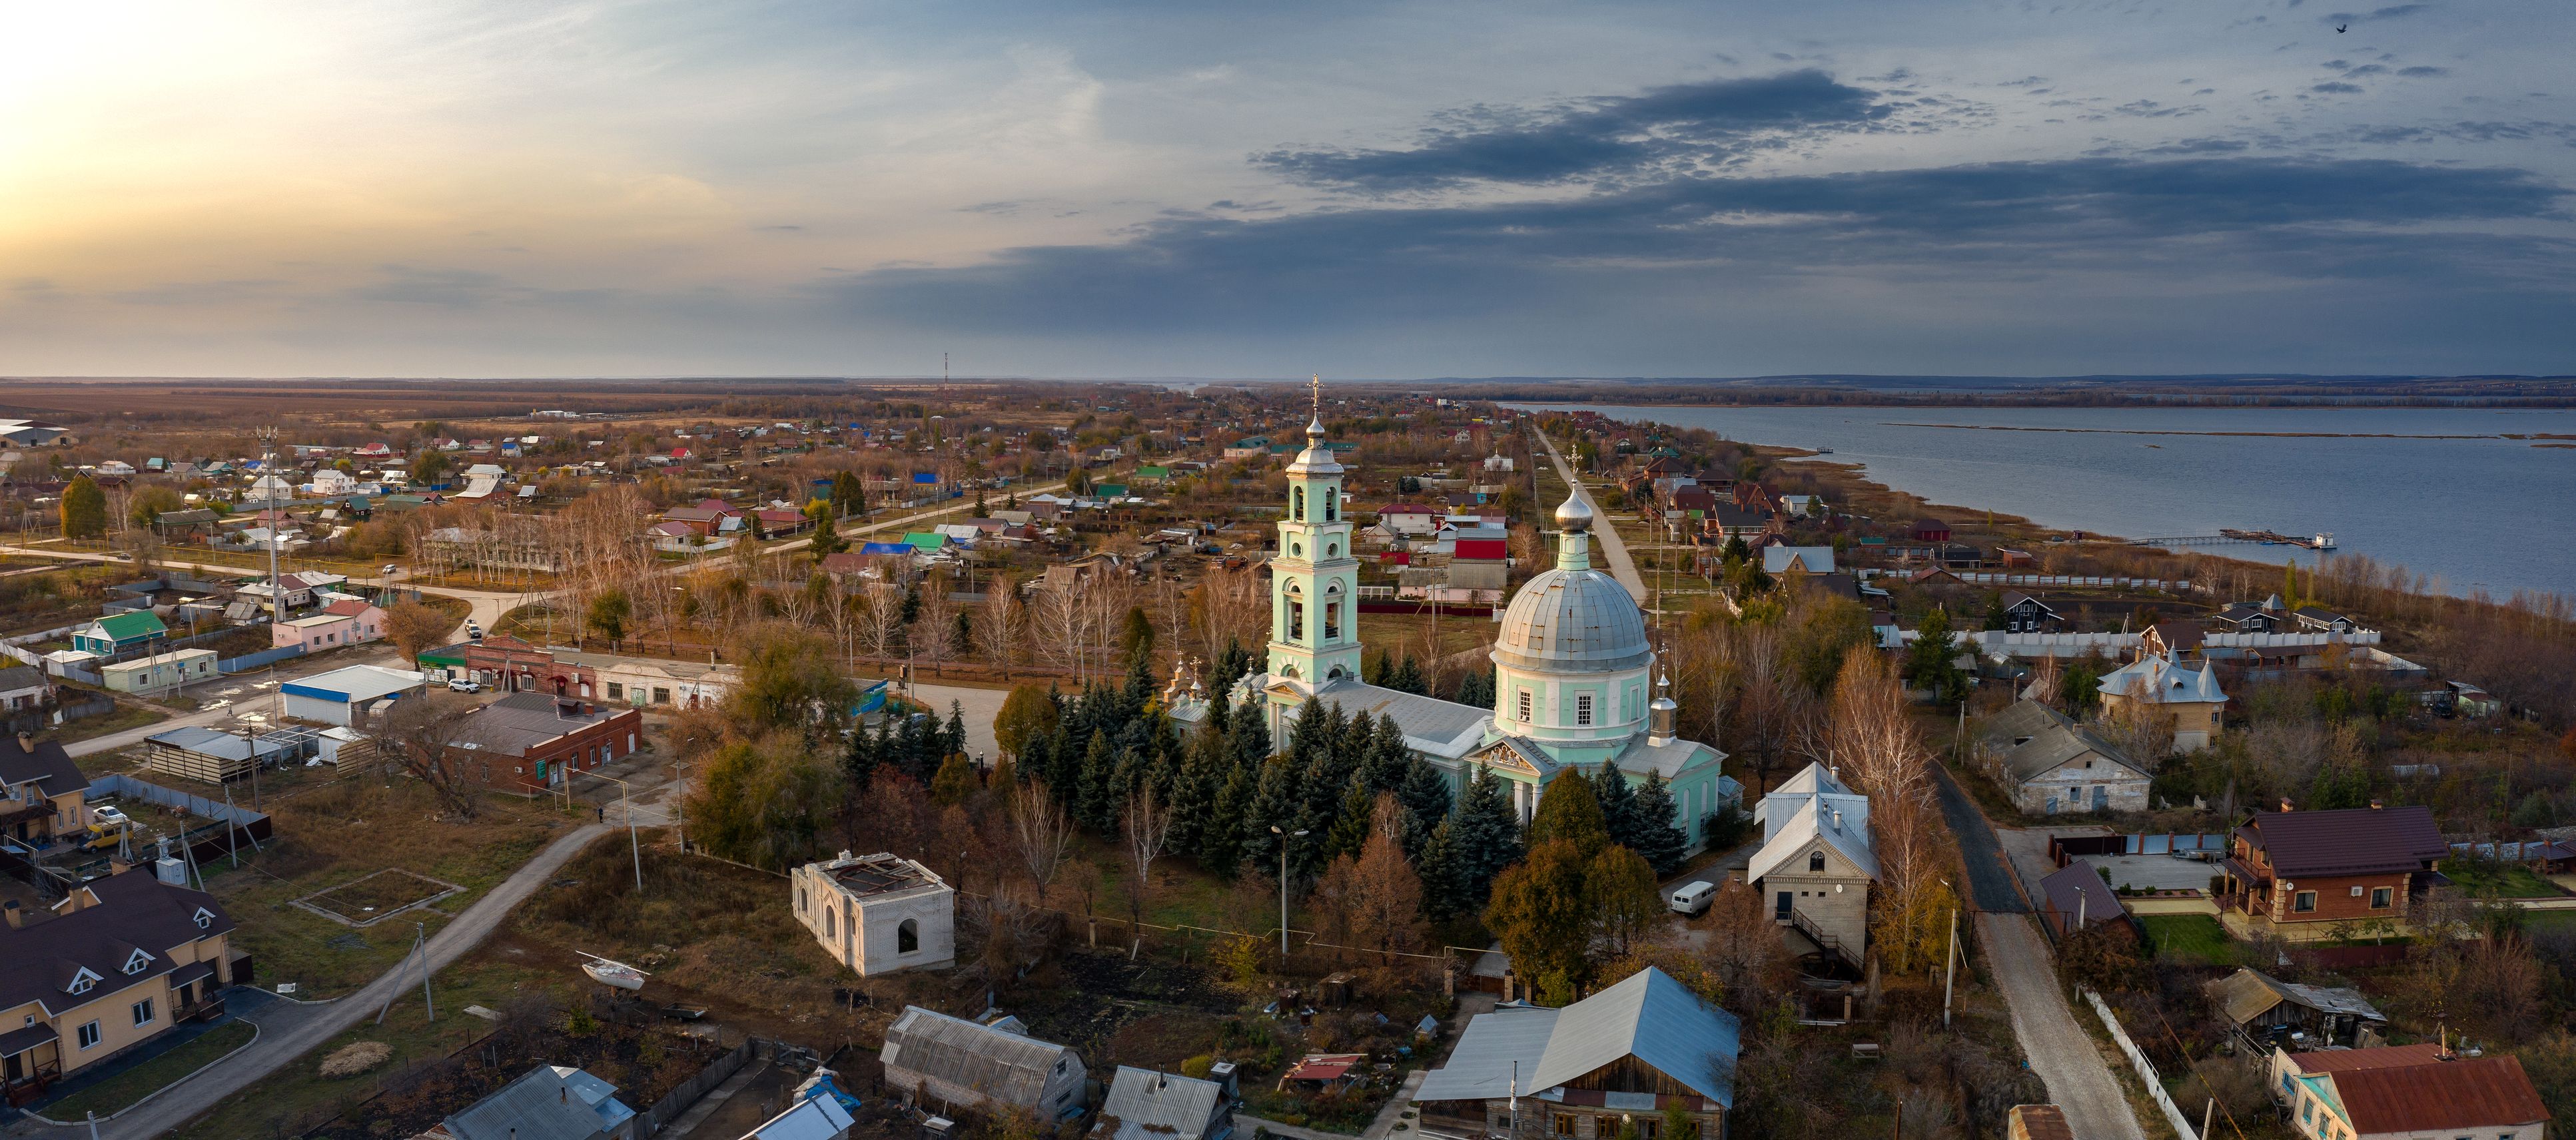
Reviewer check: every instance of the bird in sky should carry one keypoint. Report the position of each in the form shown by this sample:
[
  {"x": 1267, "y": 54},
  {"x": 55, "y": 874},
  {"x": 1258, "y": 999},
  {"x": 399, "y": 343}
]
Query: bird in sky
[{"x": 2342, "y": 28}]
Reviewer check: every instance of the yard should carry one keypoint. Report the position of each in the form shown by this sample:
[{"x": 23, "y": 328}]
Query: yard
[
  {"x": 2480, "y": 879},
  {"x": 115, "y": 1093},
  {"x": 2191, "y": 939}
]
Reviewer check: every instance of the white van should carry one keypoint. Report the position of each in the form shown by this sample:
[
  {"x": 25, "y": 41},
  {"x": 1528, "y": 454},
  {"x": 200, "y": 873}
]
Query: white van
[{"x": 1694, "y": 898}]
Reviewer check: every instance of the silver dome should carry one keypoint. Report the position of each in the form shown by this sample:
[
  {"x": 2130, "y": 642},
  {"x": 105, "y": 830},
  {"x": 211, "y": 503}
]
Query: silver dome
[
  {"x": 1573, "y": 621},
  {"x": 1574, "y": 514}
]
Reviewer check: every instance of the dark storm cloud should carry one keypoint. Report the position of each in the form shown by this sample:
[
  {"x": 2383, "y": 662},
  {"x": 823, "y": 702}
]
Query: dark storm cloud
[
  {"x": 2156, "y": 222},
  {"x": 1596, "y": 137}
]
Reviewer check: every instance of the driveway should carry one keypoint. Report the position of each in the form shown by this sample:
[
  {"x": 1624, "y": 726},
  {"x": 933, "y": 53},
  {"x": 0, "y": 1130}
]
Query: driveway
[
  {"x": 289, "y": 1031},
  {"x": 2060, "y": 1052},
  {"x": 981, "y": 706}
]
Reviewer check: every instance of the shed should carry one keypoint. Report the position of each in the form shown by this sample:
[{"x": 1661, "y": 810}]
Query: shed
[
  {"x": 935, "y": 1059},
  {"x": 2076, "y": 898},
  {"x": 2265, "y": 1008},
  {"x": 342, "y": 696},
  {"x": 1149, "y": 1104}
]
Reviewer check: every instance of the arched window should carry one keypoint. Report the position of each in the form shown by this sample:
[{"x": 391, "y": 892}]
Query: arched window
[
  {"x": 1332, "y": 504},
  {"x": 1816, "y": 861},
  {"x": 831, "y": 923},
  {"x": 1298, "y": 510},
  {"x": 1332, "y": 550},
  {"x": 1296, "y": 620},
  {"x": 907, "y": 937},
  {"x": 1333, "y": 620}
]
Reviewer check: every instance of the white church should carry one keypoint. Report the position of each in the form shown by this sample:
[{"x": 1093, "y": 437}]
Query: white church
[{"x": 1572, "y": 664}]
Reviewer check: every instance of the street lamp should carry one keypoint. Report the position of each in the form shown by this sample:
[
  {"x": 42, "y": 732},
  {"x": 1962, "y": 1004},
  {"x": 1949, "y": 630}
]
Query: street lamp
[{"x": 1284, "y": 837}]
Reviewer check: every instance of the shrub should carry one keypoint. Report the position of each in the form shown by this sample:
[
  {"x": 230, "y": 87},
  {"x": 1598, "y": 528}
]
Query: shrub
[
  {"x": 1198, "y": 1066},
  {"x": 355, "y": 1058}
]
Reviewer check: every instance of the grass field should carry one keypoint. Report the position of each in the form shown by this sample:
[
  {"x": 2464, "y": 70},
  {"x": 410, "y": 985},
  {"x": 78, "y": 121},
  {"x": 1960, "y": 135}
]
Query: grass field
[
  {"x": 2191, "y": 938},
  {"x": 149, "y": 1077},
  {"x": 2500, "y": 881}
]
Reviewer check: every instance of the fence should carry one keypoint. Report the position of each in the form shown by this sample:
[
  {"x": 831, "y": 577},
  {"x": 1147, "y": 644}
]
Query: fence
[
  {"x": 232, "y": 824},
  {"x": 259, "y": 660},
  {"x": 670, "y": 1108},
  {"x": 2146, "y": 1070},
  {"x": 2063, "y": 849}
]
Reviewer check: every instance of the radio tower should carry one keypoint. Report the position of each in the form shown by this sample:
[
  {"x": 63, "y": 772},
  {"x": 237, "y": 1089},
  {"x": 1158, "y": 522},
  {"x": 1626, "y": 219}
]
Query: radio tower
[{"x": 268, "y": 505}]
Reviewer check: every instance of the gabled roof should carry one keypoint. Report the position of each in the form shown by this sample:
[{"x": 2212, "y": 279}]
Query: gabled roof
[
  {"x": 1811, "y": 559},
  {"x": 2347, "y": 841},
  {"x": 1480, "y": 1067},
  {"x": 1813, "y": 820},
  {"x": 1011, "y": 1067},
  {"x": 1147, "y": 1102},
  {"x": 2033, "y": 740},
  {"x": 2078, "y": 889},
  {"x": 2469, "y": 1092},
  {"x": 2386, "y": 1057},
  {"x": 1653, "y": 1018},
  {"x": 549, "y": 1102},
  {"x": 132, "y": 911},
  {"x": 45, "y": 764},
  {"x": 132, "y": 623},
  {"x": 2155, "y": 679},
  {"x": 2248, "y": 994}
]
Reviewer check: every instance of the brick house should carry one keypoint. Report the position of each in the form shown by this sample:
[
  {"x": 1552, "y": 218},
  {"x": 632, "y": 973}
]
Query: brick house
[
  {"x": 2350, "y": 864},
  {"x": 526, "y": 743}
]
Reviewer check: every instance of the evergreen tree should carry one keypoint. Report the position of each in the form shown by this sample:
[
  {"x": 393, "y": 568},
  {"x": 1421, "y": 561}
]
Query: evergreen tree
[
  {"x": 955, "y": 744},
  {"x": 1384, "y": 767},
  {"x": 1196, "y": 784},
  {"x": 1444, "y": 874},
  {"x": 1569, "y": 811},
  {"x": 1425, "y": 796},
  {"x": 1231, "y": 665},
  {"x": 1125, "y": 778},
  {"x": 1247, "y": 736},
  {"x": 1476, "y": 688},
  {"x": 1098, "y": 782},
  {"x": 1275, "y": 803},
  {"x": 1406, "y": 677},
  {"x": 1931, "y": 662},
  {"x": 1350, "y": 823},
  {"x": 1997, "y": 617},
  {"x": 1662, "y": 837},
  {"x": 1221, "y": 841},
  {"x": 1618, "y": 800},
  {"x": 860, "y": 759},
  {"x": 1488, "y": 838}
]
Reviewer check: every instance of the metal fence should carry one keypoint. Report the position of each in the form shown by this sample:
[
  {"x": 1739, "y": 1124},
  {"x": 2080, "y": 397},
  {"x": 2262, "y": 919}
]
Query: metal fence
[
  {"x": 671, "y": 1107},
  {"x": 260, "y": 660}
]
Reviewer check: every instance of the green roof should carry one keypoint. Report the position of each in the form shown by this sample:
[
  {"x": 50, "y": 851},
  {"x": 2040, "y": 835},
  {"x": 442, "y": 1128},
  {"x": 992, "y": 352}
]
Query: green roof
[
  {"x": 132, "y": 624},
  {"x": 1153, "y": 472},
  {"x": 925, "y": 540},
  {"x": 1111, "y": 490},
  {"x": 444, "y": 655}
]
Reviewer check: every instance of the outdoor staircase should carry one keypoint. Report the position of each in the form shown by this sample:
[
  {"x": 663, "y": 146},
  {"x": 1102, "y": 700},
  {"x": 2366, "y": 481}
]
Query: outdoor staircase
[{"x": 1850, "y": 955}]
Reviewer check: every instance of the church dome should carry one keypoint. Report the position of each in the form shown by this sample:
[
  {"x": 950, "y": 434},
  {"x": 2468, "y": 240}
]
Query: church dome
[{"x": 1573, "y": 621}]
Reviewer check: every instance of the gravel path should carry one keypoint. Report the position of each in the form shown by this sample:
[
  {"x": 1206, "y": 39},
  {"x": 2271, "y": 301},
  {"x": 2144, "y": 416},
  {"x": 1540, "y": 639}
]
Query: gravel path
[
  {"x": 289, "y": 1031},
  {"x": 2078, "y": 1079}
]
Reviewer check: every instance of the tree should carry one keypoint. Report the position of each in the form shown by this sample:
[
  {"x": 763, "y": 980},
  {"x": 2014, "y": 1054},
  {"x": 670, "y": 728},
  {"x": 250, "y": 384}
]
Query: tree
[
  {"x": 1568, "y": 812},
  {"x": 1444, "y": 890},
  {"x": 429, "y": 465},
  {"x": 1931, "y": 663},
  {"x": 956, "y": 783},
  {"x": 1618, "y": 799},
  {"x": 1041, "y": 834},
  {"x": 1136, "y": 636},
  {"x": 146, "y": 506},
  {"x": 418, "y": 733},
  {"x": 1002, "y": 625},
  {"x": 1622, "y": 889},
  {"x": 84, "y": 509},
  {"x": 1028, "y": 711},
  {"x": 415, "y": 628},
  {"x": 767, "y": 802},
  {"x": 790, "y": 678},
  {"x": 1147, "y": 825},
  {"x": 1386, "y": 900},
  {"x": 1661, "y": 838},
  {"x": 1488, "y": 838},
  {"x": 609, "y": 611},
  {"x": 1425, "y": 795},
  {"x": 1539, "y": 913},
  {"x": 827, "y": 533},
  {"x": 1743, "y": 946}
]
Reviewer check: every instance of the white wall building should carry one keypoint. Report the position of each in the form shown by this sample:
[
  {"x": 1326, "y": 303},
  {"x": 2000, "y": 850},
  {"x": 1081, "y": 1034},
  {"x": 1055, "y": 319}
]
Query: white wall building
[{"x": 878, "y": 913}]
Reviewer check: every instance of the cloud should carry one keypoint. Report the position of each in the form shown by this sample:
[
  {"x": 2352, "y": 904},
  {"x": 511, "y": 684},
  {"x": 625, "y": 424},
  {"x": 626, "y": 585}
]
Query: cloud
[
  {"x": 1596, "y": 137},
  {"x": 2392, "y": 12},
  {"x": 2337, "y": 89},
  {"x": 1978, "y": 224},
  {"x": 2423, "y": 72}
]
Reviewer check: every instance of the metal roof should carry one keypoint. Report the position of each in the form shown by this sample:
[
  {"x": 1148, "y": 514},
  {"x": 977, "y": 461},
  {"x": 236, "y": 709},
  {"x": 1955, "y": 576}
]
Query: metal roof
[
  {"x": 549, "y": 1102},
  {"x": 2079, "y": 889},
  {"x": 2033, "y": 740},
  {"x": 815, "y": 1118},
  {"x": 1433, "y": 726},
  {"x": 1007, "y": 1066},
  {"x": 2347, "y": 841},
  {"x": 2157, "y": 679},
  {"x": 2469, "y": 1092},
  {"x": 2248, "y": 994},
  {"x": 1480, "y": 1067},
  {"x": 356, "y": 684},
  {"x": 1813, "y": 819},
  {"x": 1164, "y": 1104},
  {"x": 1655, "y": 1019},
  {"x": 1573, "y": 621}
]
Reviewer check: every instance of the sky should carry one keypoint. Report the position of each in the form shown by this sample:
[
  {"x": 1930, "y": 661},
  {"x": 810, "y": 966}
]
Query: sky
[{"x": 1365, "y": 190}]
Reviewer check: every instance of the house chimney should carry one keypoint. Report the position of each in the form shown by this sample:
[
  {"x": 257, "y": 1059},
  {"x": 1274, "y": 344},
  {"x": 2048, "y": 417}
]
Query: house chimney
[
  {"x": 2375, "y": 805},
  {"x": 2285, "y": 804},
  {"x": 27, "y": 742},
  {"x": 17, "y": 914}
]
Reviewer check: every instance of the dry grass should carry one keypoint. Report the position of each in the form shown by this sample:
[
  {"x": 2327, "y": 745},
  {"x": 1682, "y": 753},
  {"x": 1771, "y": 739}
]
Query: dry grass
[{"x": 355, "y": 1058}]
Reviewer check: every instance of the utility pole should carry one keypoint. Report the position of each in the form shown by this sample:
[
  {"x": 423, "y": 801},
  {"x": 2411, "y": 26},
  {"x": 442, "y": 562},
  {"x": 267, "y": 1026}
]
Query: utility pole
[
  {"x": 1284, "y": 838},
  {"x": 268, "y": 506},
  {"x": 1950, "y": 967}
]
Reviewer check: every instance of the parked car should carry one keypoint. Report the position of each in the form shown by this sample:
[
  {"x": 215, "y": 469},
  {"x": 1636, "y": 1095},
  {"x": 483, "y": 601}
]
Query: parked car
[
  {"x": 390, "y": 570},
  {"x": 464, "y": 685},
  {"x": 1694, "y": 898}
]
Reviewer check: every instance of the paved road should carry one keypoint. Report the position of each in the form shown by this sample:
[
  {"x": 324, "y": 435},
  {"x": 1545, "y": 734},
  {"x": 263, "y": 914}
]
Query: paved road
[
  {"x": 1990, "y": 878},
  {"x": 1614, "y": 550},
  {"x": 289, "y": 1031},
  {"x": 2078, "y": 1079}
]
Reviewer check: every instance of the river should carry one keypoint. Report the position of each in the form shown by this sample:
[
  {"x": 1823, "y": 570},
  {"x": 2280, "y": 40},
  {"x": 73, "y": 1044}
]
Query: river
[{"x": 2445, "y": 492}]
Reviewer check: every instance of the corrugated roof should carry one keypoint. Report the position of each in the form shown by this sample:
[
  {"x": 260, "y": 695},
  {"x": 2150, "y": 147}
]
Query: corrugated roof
[
  {"x": 1655, "y": 1019},
  {"x": 2248, "y": 994},
  {"x": 2386, "y": 1057},
  {"x": 1165, "y": 1104},
  {"x": 1008, "y": 1066},
  {"x": 816, "y": 1118},
  {"x": 548, "y": 1102},
  {"x": 2347, "y": 841},
  {"x": 2472, "y": 1092},
  {"x": 1813, "y": 819},
  {"x": 1431, "y": 725},
  {"x": 2046, "y": 740},
  {"x": 1480, "y": 1068}
]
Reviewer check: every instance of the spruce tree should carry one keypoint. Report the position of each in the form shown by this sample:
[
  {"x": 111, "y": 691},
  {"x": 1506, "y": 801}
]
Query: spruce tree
[
  {"x": 860, "y": 760},
  {"x": 1349, "y": 830},
  {"x": 955, "y": 744},
  {"x": 1476, "y": 688},
  {"x": 1425, "y": 796},
  {"x": 1568, "y": 810},
  {"x": 1663, "y": 837},
  {"x": 1221, "y": 841},
  {"x": 1384, "y": 767},
  {"x": 1098, "y": 782},
  {"x": 1618, "y": 801},
  {"x": 1247, "y": 736},
  {"x": 1444, "y": 874},
  {"x": 1489, "y": 839},
  {"x": 1275, "y": 803}
]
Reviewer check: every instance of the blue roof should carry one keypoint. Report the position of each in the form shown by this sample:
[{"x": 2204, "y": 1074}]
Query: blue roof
[
  {"x": 886, "y": 548},
  {"x": 1655, "y": 1019},
  {"x": 925, "y": 477}
]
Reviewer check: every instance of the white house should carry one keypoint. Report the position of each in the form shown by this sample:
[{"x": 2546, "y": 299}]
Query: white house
[
  {"x": 1817, "y": 861},
  {"x": 878, "y": 914},
  {"x": 2050, "y": 764},
  {"x": 331, "y": 482}
]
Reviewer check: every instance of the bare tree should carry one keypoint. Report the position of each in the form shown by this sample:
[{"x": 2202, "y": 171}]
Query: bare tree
[
  {"x": 419, "y": 734},
  {"x": 1147, "y": 823},
  {"x": 1059, "y": 619},
  {"x": 1228, "y": 605},
  {"x": 1002, "y": 624},
  {"x": 879, "y": 618},
  {"x": 1041, "y": 833}
]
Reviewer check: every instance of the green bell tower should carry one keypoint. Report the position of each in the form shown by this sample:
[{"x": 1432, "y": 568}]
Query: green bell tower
[{"x": 1314, "y": 579}]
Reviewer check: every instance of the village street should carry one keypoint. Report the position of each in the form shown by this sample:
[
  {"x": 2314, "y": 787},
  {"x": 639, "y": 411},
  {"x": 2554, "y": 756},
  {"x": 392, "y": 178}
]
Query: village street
[{"x": 1614, "y": 550}]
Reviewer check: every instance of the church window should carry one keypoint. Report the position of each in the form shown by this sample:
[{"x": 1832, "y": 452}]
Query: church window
[
  {"x": 1332, "y": 504},
  {"x": 1296, "y": 620},
  {"x": 1583, "y": 709},
  {"x": 1296, "y": 550},
  {"x": 1299, "y": 511},
  {"x": 1524, "y": 706},
  {"x": 1332, "y": 621}
]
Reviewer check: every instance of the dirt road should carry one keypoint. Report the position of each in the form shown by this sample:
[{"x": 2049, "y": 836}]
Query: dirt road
[
  {"x": 2078, "y": 1079},
  {"x": 1614, "y": 550}
]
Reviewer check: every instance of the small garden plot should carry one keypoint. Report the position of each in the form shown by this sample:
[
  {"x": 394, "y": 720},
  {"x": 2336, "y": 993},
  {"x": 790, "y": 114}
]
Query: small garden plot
[{"x": 375, "y": 897}]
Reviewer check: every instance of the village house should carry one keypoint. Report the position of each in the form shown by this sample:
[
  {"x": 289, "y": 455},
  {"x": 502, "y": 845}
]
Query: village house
[
  {"x": 549, "y": 1102},
  {"x": 2247, "y": 617},
  {"x": 2350, "y": 1097},
  {"x": 2155, "y": 686},
  {"x": 2266, "y": 1012},
  {"x": 348, "y": 621},
  {"x": 160, "y": 672},
  {"x": 2049, "y": 764},
  {"x": 878, "y": 914},
  {"x": 1613, "y": 1063},
  {"x": 941, "y": 1063},
  {"x": 2292, "y": 867},
  {"x": 1150, "y": 1104},
  {"x": 23, "y": 688},
  {"x": 2074, "y": 899},
  {"x": 46, "y": 794},
  {"x": 526, "y": 743},
  {"x": 2026, "y": 614},
  {"x": 1816, "y": 863},
  {"x": 120, "y": 961},
  {"x": 133, "y": 631},
  {"x": 650, "y": 682},
  {"x": 1797, "y": 561},
  {"x": 2322, "y": 620}
]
